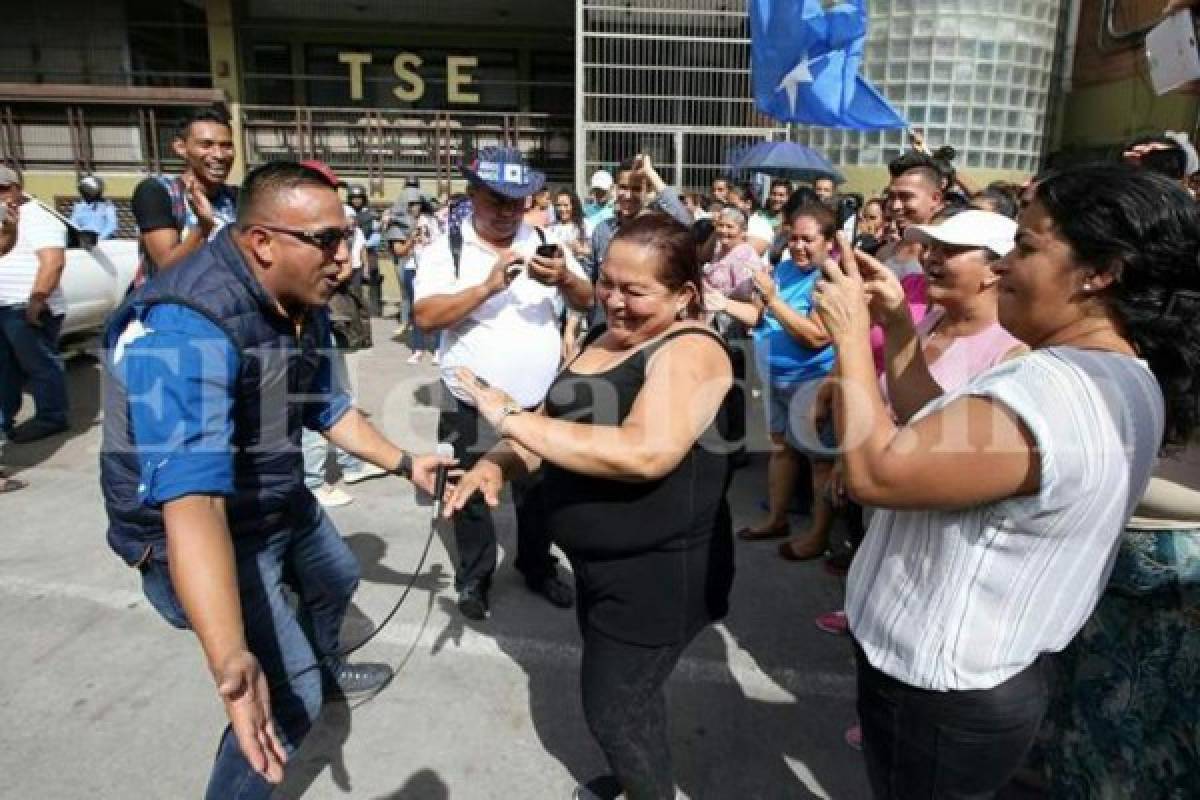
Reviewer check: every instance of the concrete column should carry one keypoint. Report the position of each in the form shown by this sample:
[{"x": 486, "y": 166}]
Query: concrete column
[{"x": 225, "y": 67}]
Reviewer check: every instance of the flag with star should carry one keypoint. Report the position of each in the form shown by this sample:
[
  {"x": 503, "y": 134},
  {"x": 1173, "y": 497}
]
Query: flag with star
[{"x": 805, "y": 58}]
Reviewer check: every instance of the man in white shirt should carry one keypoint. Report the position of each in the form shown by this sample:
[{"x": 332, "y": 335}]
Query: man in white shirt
[
  {"x": 31, "y": 315},
  {"x": 496, "y": 299}
]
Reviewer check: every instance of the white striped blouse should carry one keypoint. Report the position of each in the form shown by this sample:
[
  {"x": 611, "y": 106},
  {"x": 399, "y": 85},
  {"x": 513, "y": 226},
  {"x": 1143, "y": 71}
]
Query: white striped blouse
[{"x": 965, "y": 599}]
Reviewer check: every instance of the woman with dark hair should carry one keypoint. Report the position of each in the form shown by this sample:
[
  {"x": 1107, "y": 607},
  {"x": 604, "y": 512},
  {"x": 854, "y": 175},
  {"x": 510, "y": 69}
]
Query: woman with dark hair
[
  {"x": 1002, "y": 502},
  {"x": 868, "y": 229},
  {"x": 569, "y": 229},
  {"x": 630, "y": 438},
  {"x": 996, "y": 197},
  {"x": 794, "y": 357}
]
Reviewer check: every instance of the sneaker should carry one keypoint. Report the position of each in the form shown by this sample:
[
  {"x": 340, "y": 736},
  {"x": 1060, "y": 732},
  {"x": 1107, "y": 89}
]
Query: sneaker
[
  {"x": 605, "y": 787},
  {"x": 36, "y": 429},
  {"x": 435, "y": 360},
  {"x": 331, "y": 496},
  {"x": 473, "y": 602},
  {"x": 399, "y": 332},
  {"x": 363, "y": 473},
  {"x": 415, "y": 358},
  {"x": 833, "y": 622},
  {"x": 359, "y": 679},
  {"x": 555, "y": 590},
  {"x": 853, "y": 737}
]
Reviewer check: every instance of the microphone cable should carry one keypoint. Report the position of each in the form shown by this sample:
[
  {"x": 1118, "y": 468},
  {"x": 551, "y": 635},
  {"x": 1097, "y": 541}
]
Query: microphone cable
[{"x": 443, "y": 449}]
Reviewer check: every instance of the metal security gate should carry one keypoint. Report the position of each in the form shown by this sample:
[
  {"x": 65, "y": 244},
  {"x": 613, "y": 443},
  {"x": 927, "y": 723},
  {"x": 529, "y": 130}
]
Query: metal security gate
[{"x": 666, "y": 77}]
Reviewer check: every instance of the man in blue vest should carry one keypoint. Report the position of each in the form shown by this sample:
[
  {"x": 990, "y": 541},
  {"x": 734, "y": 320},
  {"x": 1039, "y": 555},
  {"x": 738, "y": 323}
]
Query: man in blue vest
[{"x": 214, "y": 367}]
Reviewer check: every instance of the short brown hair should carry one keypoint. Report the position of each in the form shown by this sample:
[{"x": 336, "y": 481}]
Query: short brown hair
[
  {"x": 678, "y": 264},
  {"x": 824, "y": 218}
]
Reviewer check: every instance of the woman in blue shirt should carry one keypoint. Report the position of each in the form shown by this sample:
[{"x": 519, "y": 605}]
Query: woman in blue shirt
[{"x": 794, "y": 356}]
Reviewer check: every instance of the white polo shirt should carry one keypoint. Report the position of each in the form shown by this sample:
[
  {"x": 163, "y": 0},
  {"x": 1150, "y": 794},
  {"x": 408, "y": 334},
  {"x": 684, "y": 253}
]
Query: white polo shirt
[
  {"x": 37, "y": 229},
  {"x": 512, "y": 339}
]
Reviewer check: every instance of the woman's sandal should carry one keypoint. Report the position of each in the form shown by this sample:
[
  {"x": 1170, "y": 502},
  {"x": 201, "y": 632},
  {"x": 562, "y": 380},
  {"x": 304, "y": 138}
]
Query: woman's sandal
[
  {"x": 751, "y": 535},
  {"x": 788, "y": 553}
]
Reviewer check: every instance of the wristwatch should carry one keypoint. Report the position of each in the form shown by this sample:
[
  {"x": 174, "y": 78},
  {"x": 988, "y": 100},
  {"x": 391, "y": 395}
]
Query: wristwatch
[
  {"x": 507, "y": 411},
  {"x": 405, "y": 467}
]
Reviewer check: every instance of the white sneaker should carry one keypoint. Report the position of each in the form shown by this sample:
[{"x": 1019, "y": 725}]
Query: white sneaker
[
  {"x": 331, "y": 496},
  {"x": 363, "y": 473},
  {"x": 435, "y": 360},
  {"x": 415, "y": 358},
  {"x": 396, "y": 334}
]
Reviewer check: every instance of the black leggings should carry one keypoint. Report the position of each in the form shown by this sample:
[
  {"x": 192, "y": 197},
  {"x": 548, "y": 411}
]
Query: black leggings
[
  {"x": 626, "y": 711},
  {"x": 957, "y": 745}
]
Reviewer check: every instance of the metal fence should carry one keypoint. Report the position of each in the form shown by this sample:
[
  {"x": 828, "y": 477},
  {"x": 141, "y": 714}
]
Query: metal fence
[
  {"x": 93, "y": 129},
  {"x": 402, "y": 143},
  {"x": 667, "y": 77}
]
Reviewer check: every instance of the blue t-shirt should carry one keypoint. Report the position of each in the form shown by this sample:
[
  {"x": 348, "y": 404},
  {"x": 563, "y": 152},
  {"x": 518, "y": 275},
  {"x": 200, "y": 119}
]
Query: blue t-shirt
[
  {"x": 180, "y": 370},
  {"x": 783, "y": 360}
]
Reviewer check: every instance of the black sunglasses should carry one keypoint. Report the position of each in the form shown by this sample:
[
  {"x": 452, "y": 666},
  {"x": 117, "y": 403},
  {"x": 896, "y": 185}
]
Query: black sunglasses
[{"x": 324, "y": 239}]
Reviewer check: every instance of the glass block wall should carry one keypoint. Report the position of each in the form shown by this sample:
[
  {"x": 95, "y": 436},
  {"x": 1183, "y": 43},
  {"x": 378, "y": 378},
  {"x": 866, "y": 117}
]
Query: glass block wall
[{"x": 975, "y": 74}]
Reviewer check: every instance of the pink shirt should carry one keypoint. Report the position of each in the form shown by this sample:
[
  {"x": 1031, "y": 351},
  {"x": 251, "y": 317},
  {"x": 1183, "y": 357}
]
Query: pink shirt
[
  {"x": 967, "y": 356},
  {"x": 914, "y": 295}
]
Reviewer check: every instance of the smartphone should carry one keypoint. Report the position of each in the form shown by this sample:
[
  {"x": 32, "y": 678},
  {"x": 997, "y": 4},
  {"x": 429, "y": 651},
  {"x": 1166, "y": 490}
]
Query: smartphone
[{"x": 549, "y": 251}]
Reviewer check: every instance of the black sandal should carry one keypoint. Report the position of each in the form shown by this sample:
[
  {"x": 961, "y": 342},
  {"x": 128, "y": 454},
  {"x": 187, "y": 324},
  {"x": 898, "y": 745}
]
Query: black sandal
[{"x": 11, "y": 484}]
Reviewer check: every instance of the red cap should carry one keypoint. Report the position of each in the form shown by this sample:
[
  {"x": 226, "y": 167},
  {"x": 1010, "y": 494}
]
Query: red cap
[{"x": 324, "y": 169}]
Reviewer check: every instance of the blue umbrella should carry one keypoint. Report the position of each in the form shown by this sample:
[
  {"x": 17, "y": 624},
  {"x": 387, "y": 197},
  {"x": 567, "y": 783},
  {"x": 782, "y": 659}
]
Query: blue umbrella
[{"x": 786, "y": 160}]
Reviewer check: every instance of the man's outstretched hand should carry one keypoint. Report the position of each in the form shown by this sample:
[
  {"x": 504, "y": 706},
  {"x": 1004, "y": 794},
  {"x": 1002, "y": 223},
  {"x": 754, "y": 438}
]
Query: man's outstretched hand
[{"x": 243, "y": 689}]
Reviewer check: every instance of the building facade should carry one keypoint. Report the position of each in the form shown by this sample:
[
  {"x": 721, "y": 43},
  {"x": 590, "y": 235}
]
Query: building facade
[
  {"x": 388, "y": 91},
  {"x": 1110, "y": 100}
]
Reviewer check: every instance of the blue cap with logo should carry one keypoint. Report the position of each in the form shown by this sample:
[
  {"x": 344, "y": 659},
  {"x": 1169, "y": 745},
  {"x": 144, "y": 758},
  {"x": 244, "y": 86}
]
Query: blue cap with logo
[{"x": 504, "y": 171}]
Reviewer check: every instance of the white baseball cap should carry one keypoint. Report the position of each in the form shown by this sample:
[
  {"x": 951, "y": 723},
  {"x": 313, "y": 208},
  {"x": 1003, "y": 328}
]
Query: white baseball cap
[
  {"x": 973, "y": 228},
  {"x": 601, "y": 180}
]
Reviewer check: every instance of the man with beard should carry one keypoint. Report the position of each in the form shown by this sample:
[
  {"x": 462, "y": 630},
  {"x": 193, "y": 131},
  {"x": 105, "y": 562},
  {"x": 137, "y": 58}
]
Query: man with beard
[
  {"x": 214, "y": 367},
  {"x": 176, "y": 216},
  {"x": 496, "y": 288}
]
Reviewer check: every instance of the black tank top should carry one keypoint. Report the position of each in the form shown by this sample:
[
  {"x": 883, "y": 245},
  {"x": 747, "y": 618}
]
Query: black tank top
[{"x": 653, "y": 561}]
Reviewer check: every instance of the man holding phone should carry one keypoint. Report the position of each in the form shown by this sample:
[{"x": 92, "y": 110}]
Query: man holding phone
[
  {"x": 32, "y": 308},
  {"x": 496, "y": 292}
]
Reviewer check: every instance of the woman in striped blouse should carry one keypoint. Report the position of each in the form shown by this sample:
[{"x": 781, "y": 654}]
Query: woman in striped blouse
[{"x": 1004, "y": 499}]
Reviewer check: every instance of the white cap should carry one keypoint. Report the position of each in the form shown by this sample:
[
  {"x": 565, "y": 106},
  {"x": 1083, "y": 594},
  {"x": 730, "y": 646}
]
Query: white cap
[
  {"x": 601, "y": 180},
  {"x": 973, "y": 228}
]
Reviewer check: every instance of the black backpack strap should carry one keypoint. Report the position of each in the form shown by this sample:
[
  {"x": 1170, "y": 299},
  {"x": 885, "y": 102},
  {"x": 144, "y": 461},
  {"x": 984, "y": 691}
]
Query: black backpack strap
[
  {"x": 456, "y": 245},
  {"x": 649, "y": 352},
  {"x": 541, "y": 234}
]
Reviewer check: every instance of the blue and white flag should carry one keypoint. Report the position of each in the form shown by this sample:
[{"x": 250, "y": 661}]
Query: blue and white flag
[{"x": 806, "y": 59}]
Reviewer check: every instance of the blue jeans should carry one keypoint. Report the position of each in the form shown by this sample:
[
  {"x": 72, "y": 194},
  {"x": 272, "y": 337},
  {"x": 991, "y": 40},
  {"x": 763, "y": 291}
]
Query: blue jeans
[
  {"x": 316, "y": 450},
  {"x": 29, "y": 353},
  {"x": 418, "y": 340},
  {"x": 315, "y": 565}
]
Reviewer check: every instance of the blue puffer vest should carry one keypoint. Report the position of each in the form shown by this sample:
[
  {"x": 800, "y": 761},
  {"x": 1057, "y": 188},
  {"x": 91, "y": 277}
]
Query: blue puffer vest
[{"x": 276, "y": 369}]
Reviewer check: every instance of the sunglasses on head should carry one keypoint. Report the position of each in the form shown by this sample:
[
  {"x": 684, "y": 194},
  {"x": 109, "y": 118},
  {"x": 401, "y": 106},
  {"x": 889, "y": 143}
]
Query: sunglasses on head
[{"x": 323, "y": 239}]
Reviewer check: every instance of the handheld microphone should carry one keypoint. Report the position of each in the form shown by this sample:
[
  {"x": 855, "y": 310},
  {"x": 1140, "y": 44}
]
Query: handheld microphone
[{"x": 444, "y": 449}]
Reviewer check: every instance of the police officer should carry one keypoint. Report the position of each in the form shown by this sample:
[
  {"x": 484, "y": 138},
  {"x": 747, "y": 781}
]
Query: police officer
[{"x": 368, "y": 222}]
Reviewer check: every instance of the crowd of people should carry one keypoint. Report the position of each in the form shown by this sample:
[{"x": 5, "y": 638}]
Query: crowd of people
[{"x": 977, "y": 382}]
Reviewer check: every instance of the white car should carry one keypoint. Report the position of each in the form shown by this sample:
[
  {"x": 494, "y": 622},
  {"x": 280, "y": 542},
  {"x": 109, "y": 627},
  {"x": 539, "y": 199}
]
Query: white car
[{"x": 94, "y": 283}]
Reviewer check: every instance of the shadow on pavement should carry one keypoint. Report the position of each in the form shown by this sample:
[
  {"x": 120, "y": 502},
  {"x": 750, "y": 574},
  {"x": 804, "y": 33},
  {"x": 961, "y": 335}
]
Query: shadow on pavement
[
  {"x": 84, "y": 388},
  {"x": 423, "y": 785},
  {"x": 323, "y": 747}
]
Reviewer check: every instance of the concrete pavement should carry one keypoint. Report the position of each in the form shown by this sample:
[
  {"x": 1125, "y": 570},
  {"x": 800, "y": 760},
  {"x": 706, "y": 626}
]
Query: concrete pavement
[{"x": 102, "y": 699}]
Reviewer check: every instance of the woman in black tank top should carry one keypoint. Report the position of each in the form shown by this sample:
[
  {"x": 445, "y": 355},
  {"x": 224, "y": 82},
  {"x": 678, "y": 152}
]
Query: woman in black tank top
[{"x": 636, "y": 471}]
